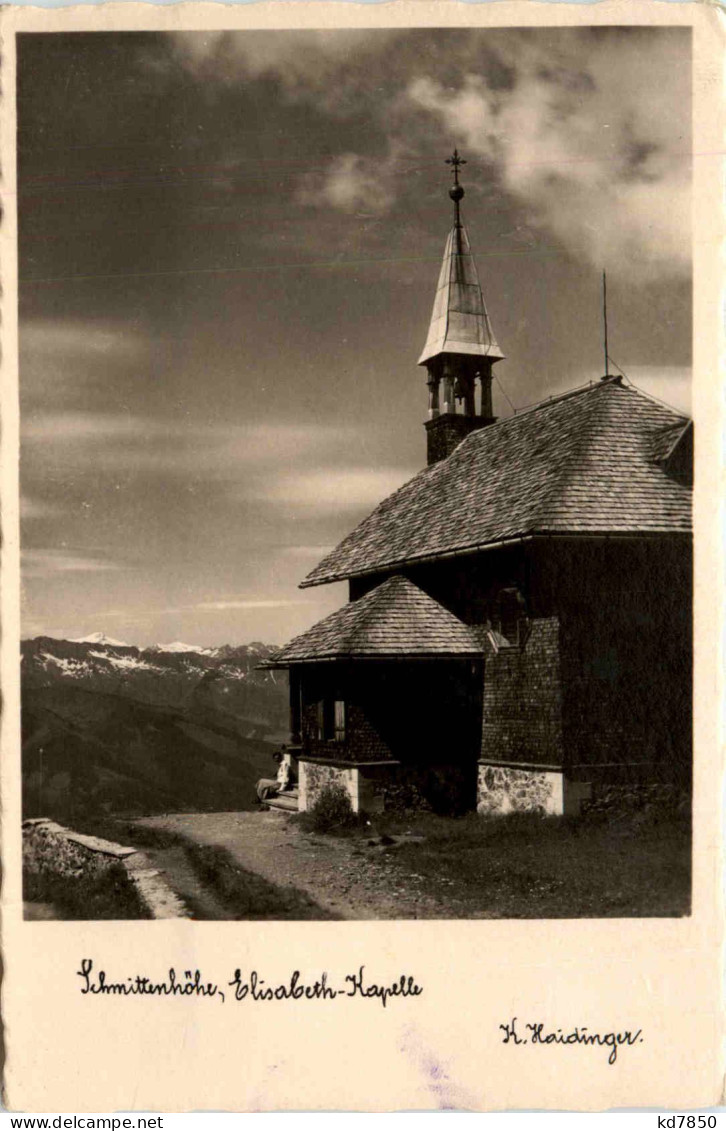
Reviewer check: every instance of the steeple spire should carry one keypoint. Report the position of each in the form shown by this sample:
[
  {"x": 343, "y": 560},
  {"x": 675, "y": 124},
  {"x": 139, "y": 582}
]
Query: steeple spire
[{"x": 460, "y": 346}]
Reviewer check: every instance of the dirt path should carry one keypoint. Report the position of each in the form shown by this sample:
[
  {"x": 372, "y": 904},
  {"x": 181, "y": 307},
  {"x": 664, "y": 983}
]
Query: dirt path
[
  {"x": 180, "y": 875},
  {"x": 348, "y": 879}
]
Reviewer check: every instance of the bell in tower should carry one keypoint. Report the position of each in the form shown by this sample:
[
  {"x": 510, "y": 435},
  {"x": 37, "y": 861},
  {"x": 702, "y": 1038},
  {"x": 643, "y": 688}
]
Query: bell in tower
[{"x": 460, "y": 348}]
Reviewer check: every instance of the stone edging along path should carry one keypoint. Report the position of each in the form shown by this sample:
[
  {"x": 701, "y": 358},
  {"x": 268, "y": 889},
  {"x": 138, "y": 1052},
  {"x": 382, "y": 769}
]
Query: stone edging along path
[{"x": 158, "y": 897}]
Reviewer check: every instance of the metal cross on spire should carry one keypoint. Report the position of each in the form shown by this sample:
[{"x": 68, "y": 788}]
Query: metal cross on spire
[
  {"x": 456, "y": 192},
  {"x": 455, "y": 161}
]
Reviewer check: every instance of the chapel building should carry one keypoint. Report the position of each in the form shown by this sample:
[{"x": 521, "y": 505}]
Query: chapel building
[{"x": 519, "y": 625}]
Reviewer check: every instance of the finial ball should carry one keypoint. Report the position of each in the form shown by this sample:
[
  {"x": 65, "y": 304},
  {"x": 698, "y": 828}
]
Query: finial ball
[{"x": 456, "y": 192}]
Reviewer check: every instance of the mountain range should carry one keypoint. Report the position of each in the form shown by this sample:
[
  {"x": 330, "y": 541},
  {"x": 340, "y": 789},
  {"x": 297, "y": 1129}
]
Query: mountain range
[{"x": 111, "y": 728}]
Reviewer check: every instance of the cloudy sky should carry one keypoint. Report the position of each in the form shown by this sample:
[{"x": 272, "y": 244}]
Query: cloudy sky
[{"x": 229, "y": 246}]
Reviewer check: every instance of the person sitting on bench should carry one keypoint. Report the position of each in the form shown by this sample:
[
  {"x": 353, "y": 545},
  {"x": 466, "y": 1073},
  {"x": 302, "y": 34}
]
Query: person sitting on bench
[{"x": 271, "y": 787}]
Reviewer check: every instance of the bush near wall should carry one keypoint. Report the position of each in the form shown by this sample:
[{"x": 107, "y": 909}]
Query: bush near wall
[{"x": 332, "y": 810}]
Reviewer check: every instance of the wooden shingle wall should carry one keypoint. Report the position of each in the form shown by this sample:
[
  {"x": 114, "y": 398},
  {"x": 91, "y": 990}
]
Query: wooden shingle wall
[{"x": 523, "y": 700}]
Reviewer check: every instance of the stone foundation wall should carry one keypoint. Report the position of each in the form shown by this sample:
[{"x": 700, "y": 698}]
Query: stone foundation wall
[
  {"x": 314, "y": 778},
  {"x": 614, "y": 801},
  {"x": 503, "y": 789},
  {"x": 362, "y": 788},
  {"x": 511, "y": 789}
]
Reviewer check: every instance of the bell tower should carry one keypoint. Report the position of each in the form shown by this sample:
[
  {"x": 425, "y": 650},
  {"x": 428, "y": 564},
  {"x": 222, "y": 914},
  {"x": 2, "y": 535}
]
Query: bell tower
[{"x": 460, "y": 348}]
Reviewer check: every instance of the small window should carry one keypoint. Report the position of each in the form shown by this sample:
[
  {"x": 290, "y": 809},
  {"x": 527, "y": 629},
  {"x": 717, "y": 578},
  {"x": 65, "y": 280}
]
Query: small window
[
  {"x": 330, "y": 723},
  {"x": 509, "y": 618},
  {"x": 510, "y": 615}
]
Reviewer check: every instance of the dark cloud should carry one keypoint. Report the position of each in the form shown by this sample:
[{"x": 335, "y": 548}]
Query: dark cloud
[{"x": 228, "y": 251}]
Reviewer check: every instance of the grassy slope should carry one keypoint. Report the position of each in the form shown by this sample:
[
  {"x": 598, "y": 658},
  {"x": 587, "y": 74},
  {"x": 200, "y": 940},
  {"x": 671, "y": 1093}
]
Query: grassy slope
[
  {"x": 86, "y": 752},
  {"x": 524, "y": 866},
  {"x": 107, "y": 894}
]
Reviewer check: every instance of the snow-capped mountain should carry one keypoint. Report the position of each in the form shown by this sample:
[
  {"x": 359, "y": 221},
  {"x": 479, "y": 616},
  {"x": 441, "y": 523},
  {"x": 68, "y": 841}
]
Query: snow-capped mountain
[
  {"x": 221, "y": 679},
  {"x": 99, "y": 638},
  {"x": 179, "y": 646},
  {"x": 108, "y": 727}
]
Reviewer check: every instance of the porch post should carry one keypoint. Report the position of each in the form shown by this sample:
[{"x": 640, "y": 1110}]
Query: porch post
[{"x": 295, "y": 707}]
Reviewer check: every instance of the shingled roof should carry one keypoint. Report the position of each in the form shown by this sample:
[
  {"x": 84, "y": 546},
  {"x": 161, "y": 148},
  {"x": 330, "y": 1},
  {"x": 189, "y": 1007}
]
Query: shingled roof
[
  {"x": 395, "y": 619},
  {"x": 583, "y": 463}
]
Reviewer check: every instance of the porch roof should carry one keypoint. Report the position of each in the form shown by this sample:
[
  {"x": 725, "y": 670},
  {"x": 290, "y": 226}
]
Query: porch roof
[{"x": 395, "y": 620}]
